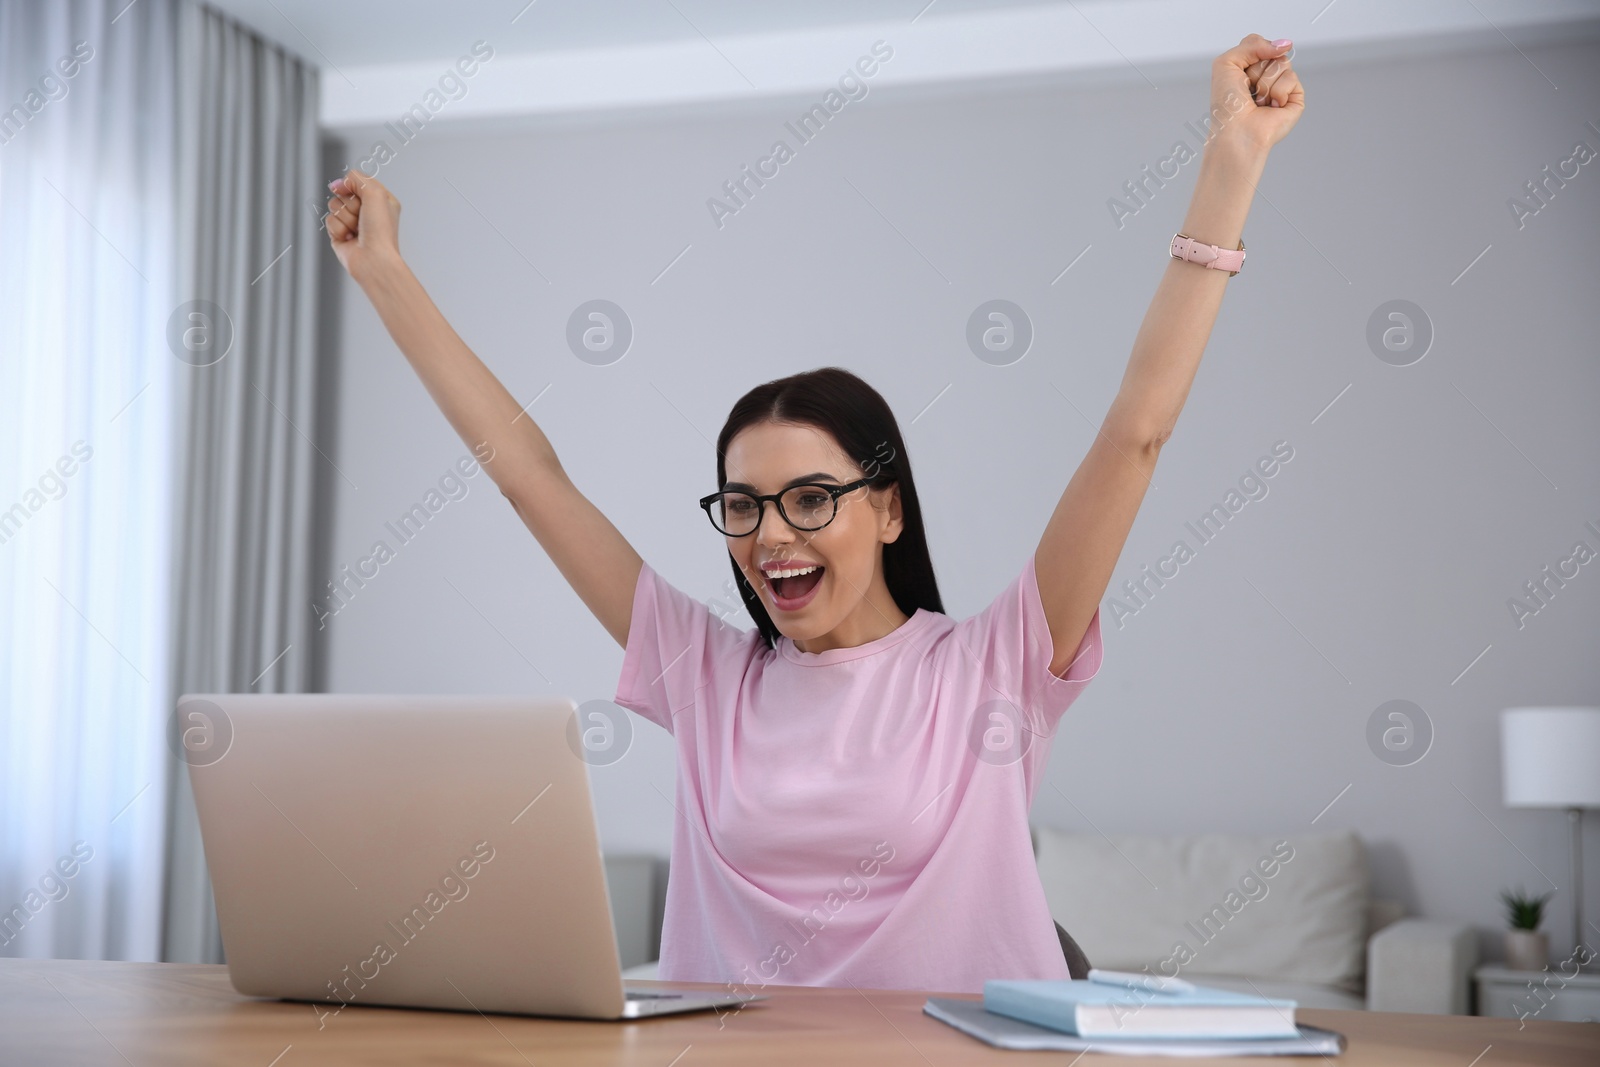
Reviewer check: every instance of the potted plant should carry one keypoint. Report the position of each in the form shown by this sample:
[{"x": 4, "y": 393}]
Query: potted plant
[{"x": 1527, "y": 947}]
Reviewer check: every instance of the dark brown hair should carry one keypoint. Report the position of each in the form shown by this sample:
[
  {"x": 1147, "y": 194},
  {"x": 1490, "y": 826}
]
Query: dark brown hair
[{"x": 843, "y": 405}]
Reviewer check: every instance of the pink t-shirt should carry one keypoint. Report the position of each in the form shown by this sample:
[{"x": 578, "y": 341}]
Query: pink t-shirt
[{"x": 859, "y": 815}]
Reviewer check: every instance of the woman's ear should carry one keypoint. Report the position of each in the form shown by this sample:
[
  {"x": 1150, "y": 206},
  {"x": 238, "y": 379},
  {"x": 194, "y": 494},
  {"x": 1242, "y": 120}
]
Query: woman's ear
[{"x": 894, "y": 520}]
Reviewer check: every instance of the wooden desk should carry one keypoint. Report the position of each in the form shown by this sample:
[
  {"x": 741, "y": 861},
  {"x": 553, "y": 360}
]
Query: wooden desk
[{"x": 83, "y": 1012}]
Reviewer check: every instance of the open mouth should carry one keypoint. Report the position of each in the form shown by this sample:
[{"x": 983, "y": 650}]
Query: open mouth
[{"x": 795, "y": 591}]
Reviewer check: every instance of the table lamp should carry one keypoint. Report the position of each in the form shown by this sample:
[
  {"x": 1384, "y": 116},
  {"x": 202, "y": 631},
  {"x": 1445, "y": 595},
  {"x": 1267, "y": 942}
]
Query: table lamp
[{"x": 1550, "y": 758}]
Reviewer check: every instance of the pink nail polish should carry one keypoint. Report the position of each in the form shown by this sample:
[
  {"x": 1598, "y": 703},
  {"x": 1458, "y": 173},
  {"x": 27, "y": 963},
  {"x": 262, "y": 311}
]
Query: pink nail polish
[{"x": 1281, "y": 43}]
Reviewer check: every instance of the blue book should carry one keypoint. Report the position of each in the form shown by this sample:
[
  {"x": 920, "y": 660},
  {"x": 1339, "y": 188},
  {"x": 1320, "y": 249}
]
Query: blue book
[
  {"x": 1094, "y": 1009},
  {"x": 1002, "y": 1031}
]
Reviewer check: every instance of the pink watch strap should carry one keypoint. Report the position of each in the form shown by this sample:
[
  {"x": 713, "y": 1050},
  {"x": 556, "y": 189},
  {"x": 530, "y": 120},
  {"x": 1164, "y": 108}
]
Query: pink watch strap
[{"x": 1188, "y": 249}]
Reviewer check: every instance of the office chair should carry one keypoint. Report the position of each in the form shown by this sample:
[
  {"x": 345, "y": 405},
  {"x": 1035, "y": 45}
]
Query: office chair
[{"x": 1077, "y": 962}]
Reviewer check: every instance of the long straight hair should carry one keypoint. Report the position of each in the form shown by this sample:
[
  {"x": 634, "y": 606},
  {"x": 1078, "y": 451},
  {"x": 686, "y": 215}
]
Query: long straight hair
[{"x": 841, "y": 404}]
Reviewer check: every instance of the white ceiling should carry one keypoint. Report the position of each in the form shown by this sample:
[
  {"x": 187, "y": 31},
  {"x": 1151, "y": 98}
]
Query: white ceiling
[
  {"x": 563, "y": 57},
  {"x": 354, "y": 33}
]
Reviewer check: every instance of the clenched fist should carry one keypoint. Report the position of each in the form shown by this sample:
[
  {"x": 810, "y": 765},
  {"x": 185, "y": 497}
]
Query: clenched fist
[
  {"x": 1256, "y": 96},
  {"x": 363, "y": 223}
]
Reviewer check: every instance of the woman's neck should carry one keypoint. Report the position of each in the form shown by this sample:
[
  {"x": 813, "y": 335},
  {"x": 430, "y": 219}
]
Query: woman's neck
[{"x": 876, "y": 616}]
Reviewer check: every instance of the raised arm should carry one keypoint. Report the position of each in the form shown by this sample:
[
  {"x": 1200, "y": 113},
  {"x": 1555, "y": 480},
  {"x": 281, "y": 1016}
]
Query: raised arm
[
  {"x": 591, "y": 553},
  {"x": 1085, "y": 534}
]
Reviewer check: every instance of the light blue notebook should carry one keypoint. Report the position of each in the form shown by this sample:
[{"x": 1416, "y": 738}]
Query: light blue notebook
[
  {"x": 1002, "y": 1031},
  {"x": 1108, "y": 1012}
]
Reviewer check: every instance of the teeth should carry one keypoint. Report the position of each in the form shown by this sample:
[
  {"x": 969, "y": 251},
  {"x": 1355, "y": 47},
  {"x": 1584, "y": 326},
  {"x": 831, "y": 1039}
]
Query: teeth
[{"x": 790, "y": 573}]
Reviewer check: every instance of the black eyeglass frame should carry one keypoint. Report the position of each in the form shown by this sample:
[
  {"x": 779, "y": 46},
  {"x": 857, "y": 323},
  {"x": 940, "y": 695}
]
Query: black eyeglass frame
[{"x": 834, "y": 491}]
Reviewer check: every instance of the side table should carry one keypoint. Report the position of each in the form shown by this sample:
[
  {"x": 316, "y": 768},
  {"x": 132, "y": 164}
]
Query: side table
[{"x": 1546, "y": 994}]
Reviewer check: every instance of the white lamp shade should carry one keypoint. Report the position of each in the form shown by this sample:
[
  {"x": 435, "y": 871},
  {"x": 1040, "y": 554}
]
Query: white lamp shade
[{"x": 1550, "y": 757}]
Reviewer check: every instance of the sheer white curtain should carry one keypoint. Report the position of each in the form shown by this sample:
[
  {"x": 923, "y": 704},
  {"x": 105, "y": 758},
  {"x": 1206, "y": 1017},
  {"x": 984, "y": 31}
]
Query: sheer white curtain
[
  {"x": 157, "y": 462},
  {"x": 86, "y": 417}
]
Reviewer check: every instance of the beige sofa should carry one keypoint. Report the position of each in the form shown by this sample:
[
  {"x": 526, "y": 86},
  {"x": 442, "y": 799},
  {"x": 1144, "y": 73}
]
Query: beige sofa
[
  {"x": 1308, "y": 930},
  {"x": 1287, "y": 915}
]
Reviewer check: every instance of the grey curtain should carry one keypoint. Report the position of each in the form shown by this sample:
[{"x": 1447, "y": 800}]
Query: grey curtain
[{"x": 247, "y": 248}]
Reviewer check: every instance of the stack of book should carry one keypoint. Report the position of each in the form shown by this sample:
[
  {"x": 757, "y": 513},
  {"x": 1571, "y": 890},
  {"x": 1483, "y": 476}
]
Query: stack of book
[{"x": 1134, "y": 1013}]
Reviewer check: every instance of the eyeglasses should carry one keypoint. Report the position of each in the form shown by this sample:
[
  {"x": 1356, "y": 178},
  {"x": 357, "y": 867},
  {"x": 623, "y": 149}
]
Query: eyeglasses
[{"x": 805, "y": 507}]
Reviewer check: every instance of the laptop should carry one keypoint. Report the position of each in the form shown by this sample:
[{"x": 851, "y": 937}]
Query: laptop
[{"x": 410, "y": 851}]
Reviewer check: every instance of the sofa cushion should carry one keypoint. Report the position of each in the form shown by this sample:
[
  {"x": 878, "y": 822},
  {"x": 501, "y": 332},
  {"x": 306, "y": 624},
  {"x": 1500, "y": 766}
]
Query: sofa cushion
[{"x": 1290, "y": 908}]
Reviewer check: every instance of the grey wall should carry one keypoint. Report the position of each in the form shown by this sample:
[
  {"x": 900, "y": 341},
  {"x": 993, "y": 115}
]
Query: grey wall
[{"x": 1377, "y": 567}]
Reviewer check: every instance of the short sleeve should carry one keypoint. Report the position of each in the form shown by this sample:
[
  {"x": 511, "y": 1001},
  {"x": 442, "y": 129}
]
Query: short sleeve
[
  {"x": 1010, "y": 640},
  {"x": 675, "y": 644}
]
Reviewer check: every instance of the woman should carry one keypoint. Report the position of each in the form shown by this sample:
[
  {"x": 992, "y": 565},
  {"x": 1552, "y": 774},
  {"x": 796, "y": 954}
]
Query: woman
[{"x": 855, "y": 774}]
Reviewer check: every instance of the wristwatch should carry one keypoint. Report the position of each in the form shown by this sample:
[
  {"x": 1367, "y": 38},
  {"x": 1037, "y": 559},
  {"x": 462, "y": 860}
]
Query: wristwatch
[{"x": 1188, "y": 249}]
